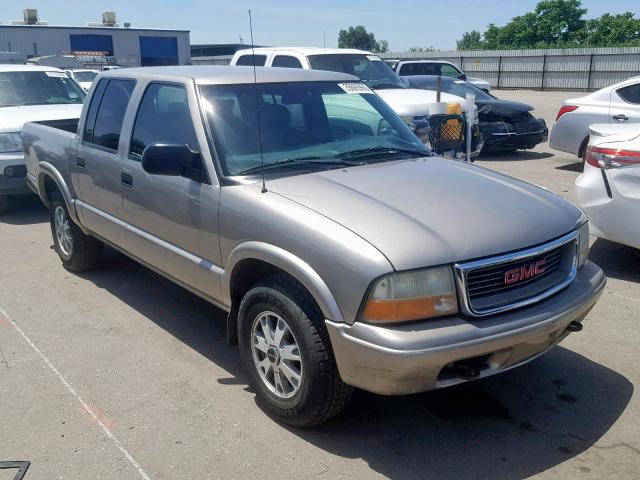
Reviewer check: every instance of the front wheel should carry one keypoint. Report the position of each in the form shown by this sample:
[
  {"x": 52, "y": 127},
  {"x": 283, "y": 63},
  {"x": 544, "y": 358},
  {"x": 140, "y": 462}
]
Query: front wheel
[
  {"x": 78, "y": 252},
  {"x": 286, "y": 351}
]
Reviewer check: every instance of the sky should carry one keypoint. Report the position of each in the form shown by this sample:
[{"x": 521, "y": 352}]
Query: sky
[{"x": 403, "y": 23}]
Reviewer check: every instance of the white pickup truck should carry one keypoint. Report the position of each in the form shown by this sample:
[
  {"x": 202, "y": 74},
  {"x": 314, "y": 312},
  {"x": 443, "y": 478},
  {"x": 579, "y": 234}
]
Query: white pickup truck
[
  {"x": 406, "y": 102},
  {"x": 413, "y": 105},
  {"x": 30, "y": 93}
]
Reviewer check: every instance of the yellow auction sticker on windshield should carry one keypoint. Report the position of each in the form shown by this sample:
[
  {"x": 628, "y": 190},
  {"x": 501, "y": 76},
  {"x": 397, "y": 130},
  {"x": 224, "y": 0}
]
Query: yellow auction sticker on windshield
[{"x": 354, "y": 88}]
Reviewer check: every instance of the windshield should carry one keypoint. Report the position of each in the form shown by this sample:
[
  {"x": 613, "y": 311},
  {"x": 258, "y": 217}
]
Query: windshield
[
  {"x": 448, "y": 85},
  {"x": 306, "y": 126},
  {"x": 84, "y": 76},
  {"x": 38, "y": 88},
  {"x": 368, "y": 68}
]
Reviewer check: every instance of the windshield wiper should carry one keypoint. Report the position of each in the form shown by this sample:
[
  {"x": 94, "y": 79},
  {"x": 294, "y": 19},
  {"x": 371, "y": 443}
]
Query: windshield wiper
[
  {"x": 372, "y": 151},
  {"x": 292, "y": 162},
  {"x": 382, "y": 86}
]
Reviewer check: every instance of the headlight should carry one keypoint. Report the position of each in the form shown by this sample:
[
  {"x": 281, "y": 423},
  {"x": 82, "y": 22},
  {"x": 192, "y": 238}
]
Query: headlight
[
  {"x": 583, "y": 244},
  {"x": 402, "y": 297},
  {"x": 10, "y": 142}
]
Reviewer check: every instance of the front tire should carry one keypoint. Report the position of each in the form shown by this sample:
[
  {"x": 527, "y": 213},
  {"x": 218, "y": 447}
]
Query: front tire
[
  {"x": 286, "y": 351},
  {"x": 78, "y": 252}
]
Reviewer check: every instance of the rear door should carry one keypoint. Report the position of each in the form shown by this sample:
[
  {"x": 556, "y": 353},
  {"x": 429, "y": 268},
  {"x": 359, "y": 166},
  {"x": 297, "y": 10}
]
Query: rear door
[
  {"x": 173, "y": 221},
  {"x": 96, "y": 166},
  {"x": 625, "y": 104}
]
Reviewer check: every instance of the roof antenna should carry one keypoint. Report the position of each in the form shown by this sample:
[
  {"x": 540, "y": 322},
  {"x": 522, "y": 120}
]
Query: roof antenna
[{"x": 255, "y": 82}]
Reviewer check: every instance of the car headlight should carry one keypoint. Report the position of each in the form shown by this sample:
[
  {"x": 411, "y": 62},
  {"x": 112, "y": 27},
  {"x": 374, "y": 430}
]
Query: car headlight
[
  {"x": 583, "y": 244},
  {"x": 10, "y": 142},
  {"x": 414, "y": 295}
]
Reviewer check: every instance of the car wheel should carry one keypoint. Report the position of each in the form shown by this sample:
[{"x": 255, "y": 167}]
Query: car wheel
[
  {"x": 78, "y": 252},
  {"x": 286, "y": 351}
]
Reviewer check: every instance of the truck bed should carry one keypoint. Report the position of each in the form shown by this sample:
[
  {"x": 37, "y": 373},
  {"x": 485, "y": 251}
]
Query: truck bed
[
  {"x": 68, "y": 125},
  {"x": 48, "y": 141}
]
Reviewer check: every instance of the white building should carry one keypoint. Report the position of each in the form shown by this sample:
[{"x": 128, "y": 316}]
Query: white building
[{"x": 126, "y": 46}]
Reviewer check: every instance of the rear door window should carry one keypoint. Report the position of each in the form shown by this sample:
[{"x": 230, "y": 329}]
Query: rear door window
[
  {"x": 286, "y": 61},
  {"x": 90, "y": 121},
  {"x": 419, "y": 69},
  {"x": 250, "y": 60},
  {"x": 110, "y": 114},
  {"x": 630, "y": 93}
]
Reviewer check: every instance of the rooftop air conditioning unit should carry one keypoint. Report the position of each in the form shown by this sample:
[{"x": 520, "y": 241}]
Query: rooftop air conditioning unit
[
  {"x": 109, "y": 19},
  {"x": 30, "y": 16}
]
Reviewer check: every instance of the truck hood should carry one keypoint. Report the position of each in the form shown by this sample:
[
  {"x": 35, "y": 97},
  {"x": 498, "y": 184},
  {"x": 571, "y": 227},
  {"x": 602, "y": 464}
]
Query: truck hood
[
  {"x": 412, "y": 102},
  {"x": 13, "y": 118},
  {"x": 432, "y": 211}
]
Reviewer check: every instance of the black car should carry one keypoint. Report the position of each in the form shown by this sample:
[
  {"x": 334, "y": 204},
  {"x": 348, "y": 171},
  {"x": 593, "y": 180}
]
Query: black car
[{"x": 505, "y": 125}]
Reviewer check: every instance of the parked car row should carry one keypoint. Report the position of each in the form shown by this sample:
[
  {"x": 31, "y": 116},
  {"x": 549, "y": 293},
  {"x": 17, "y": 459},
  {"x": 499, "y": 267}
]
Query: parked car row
[{"x": 603, "y": 129}]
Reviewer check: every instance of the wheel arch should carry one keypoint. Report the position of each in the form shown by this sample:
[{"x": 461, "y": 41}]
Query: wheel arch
[
  {"x": 50, "y": 180},
  {"x": 583, "y": 147},
  {"x": 251, "y": 262}
]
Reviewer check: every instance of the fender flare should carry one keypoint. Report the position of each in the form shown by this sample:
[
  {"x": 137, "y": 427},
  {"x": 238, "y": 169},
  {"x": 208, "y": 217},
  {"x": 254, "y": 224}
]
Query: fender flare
[
  {"x": 46, "y": 169},
  {"x": 288, "y": 262}
]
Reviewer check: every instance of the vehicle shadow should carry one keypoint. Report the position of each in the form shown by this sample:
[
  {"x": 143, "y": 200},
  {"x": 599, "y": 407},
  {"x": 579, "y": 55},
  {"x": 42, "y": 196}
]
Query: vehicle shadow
[
  {"x": 186, "y": 316},
  {"x": 25, "y": 210},
  {"x": 577, "y": 167},
  {"x": 617, "y": 261},
  {"x": 517, "y": 156},
  {"x": 510, "y": 426}
]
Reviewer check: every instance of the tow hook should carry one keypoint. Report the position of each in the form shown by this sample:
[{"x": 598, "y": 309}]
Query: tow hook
[{"x": 574, "y": 327}]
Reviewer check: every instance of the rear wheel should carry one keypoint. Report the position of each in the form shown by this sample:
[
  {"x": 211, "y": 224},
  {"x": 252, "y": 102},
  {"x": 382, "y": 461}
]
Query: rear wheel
[
  {"x": 78, "y": 252},
  {"x": 286, "y": 351}
]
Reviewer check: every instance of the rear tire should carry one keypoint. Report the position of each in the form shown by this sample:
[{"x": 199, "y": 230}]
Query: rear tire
[
  {"x": 78, "y": 252},
  {"x": 287, "y": 353}
]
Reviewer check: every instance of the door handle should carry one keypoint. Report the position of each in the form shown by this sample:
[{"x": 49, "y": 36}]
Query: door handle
[
  {"x": 126, "y": 179},
  {"x": 621, "y": 117},
  {"x": 80, "y": 162}
]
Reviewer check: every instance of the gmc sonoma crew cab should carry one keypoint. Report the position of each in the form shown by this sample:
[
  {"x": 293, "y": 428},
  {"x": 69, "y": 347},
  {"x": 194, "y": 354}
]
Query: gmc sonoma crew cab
[{"x": 344, "y": 252}]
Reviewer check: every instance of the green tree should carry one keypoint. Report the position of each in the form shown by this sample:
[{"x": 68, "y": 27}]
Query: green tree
[
  {"x": 359, "y": 37},
  {"x": 557, "y": 23},
  {"x": 470, "y": 41},
  {"x": 421, "y": 49},
  {"x": 613, "y": 31}
]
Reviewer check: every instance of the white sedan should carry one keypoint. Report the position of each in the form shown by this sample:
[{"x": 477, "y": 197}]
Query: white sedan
[
  {"x": 618, "y": 104},
  {"x": 609, "y": 188}
]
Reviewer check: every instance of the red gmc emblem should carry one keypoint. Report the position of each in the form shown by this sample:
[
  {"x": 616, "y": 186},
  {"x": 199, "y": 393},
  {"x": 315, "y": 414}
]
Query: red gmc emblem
[{"x": 518, "y": 274}]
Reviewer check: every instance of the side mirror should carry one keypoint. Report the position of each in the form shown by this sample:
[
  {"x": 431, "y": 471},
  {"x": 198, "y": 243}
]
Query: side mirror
[
  {"x": 462, "y": 77},
  {"x": 169, "y": 159}
]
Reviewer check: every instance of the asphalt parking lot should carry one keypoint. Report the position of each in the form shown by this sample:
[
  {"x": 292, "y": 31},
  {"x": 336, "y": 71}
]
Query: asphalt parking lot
[{"x": 119, "y": 374}]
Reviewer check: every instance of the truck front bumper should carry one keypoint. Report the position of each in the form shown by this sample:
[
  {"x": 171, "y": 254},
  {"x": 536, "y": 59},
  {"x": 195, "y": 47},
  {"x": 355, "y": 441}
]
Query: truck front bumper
[
  {"x": 415, "y": 357},
  {"x": 13, "y": 173}
]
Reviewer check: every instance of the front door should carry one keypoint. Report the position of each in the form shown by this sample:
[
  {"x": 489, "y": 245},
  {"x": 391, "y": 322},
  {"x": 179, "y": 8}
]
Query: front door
[{"x": 173, "y": 220}]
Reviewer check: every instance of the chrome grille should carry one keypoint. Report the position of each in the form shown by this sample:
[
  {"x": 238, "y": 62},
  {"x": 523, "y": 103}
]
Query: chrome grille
[{"x": 510, "y": 281}]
